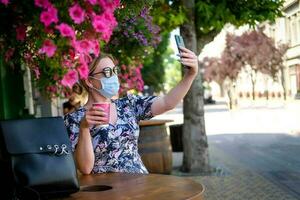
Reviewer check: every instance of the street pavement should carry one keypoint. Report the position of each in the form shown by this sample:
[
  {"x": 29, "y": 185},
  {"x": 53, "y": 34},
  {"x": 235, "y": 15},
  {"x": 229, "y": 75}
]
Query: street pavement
[{"x": 254, "y": 150}]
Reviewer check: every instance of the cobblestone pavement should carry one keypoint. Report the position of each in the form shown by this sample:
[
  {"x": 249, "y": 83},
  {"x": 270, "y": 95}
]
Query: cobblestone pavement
[
  {"x": 261, "y": 164},
  {"x": 235, "y": 180}
]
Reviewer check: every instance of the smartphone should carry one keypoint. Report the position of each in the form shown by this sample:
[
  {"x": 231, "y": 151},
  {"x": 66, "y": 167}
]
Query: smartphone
[{"x": 179, "y": 42}]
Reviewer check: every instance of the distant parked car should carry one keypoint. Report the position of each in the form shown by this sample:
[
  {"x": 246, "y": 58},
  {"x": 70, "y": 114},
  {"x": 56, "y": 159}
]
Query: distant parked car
[{"x": 209, "y": 100}]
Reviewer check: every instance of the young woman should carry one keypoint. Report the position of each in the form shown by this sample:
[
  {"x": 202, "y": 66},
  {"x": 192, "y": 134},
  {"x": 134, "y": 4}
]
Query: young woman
[{"x": 114, "y": 148}]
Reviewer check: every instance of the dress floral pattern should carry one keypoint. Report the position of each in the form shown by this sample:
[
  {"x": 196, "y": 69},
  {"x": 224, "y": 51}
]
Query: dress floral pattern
[{"x": 116, "y": 146}]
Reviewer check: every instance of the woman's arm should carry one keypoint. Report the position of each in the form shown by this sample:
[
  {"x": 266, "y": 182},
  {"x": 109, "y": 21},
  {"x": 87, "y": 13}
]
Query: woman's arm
[
  {"x": 84, "y": 152},
  {"x": 175, "y": 95}
]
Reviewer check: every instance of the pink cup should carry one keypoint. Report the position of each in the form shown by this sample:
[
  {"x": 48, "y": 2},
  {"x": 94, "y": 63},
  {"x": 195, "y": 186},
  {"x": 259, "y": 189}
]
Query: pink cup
[{"x": 105, "y": 106}]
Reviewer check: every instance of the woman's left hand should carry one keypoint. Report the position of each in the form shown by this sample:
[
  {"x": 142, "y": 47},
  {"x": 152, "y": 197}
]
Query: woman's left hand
[{"x": 190, "y": 60}]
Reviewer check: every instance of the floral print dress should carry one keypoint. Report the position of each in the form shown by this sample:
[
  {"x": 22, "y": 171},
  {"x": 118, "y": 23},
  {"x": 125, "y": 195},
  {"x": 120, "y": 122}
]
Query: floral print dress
[{"x": 116, "y": 146}]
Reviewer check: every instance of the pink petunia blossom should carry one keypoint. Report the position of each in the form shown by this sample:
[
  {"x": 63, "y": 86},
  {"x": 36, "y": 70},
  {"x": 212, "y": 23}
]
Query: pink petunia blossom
[
  {"x": 49, "y": 16},
  {"x": 82, "y": 46},
  {"x": 104, "y": 24},
  {"x": 92, "y": 2},
  {"x": 110, "y": 18},
  {"x": 99, "y": 23},
  {"x": 37, "y": 72},
  {"x": 48, "y": 47},
  {"x": 5, "y": 2},
  {"x": 28, "y": 56},
  {"x": 52, "y": 89},
  {"x": 95, "y": 47},
  {"x": 55, "y": 77},
  {"x": 66, "y": 30},
  {"x": 83, "y": 70},
  {"x": 8, "y": 54},
  {"x": 109, "y": 5},
  {"x": 42, "y": 3},
  {"x": 70, "y": 78},
  {"x": 85, "y": 58},
  {"x": 21, "y": 32},
  {"x": 77, "y": 13},
  {"x": 67, "y": 63}
]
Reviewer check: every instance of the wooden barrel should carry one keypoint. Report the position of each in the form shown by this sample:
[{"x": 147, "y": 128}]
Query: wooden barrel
[{"x": 155, "y": 147}]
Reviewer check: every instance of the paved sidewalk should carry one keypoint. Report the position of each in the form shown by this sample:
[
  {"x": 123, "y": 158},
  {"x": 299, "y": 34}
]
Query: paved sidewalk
[
  {"x": 255, "y": 150},
  {"x": 250, "y": 170}
]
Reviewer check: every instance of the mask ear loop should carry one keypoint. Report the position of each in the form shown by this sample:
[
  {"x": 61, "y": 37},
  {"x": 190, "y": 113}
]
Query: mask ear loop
[{"x": 95, "y": 87}]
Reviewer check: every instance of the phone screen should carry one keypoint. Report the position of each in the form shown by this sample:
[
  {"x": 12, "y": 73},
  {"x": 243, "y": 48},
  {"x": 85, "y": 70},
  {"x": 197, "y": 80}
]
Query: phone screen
[{"x": 179, "y": 41}]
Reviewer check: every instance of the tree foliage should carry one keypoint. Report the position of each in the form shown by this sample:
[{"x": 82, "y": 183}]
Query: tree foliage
[
  {"x": 153, "y": 70},
  {"x": 212, "y": 15},
  {"x": 253, "y": 51}
]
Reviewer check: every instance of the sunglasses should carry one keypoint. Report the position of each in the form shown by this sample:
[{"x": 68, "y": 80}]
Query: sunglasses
[{"x": 108, "y": 72}]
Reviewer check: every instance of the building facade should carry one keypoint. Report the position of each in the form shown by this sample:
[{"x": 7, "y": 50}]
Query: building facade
[{"x": 287, "y": 30}]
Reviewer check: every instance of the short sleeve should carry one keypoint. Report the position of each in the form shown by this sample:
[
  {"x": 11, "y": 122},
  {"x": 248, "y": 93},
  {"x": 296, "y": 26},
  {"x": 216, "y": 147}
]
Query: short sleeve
[
  {"x": 142, "y": 106},
  {"x": 72, "y": 128}
]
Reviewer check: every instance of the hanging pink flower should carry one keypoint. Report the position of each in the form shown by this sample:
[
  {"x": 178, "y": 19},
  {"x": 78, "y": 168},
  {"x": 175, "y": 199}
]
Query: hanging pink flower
[
  {"x": 92, "y": 2},
  {"x": 98, "y": 23},
  {"x": 42, "y": 3},
  {"x": 83, "y": 70},
  {"x": 55, "y": 77},
  {"x": 28, "y": 56},
  {"x": 21, "y": 32},
  {"x": 77, "y": 13},
  {"x": 48, "y": 47},
  {"x": 109, "y": 5},
  {"x": 85, "y": 58},
  {"x": 82, "y": 46},
  {"x": 52, "y": 89},
  {"x": 67, "y": 63},
  {"x": 5, "y": 2},
  {"x": 37, "y": 72},
  {"x": 71, "y": 53},
  {"x": 70, "y": 78},
  {"x": 49, "y": 16},
  {"x": 95, "y": 47},
  {"x": 66, "y": 30},
  {"x": 104, "y": 24},
  {"x": 8, "y": 54},
  {"x": 110, "y": 19}
]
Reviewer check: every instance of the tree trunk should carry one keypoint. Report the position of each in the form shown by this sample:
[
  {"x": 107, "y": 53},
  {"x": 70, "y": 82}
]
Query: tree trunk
[
  {"x": 222, "y": 92},
  {"x": 230, "y": 99},
  {"x": 195, "y": 146},
  {"x": 283, "y": 81},
  {"x": 253, "y": 81}
]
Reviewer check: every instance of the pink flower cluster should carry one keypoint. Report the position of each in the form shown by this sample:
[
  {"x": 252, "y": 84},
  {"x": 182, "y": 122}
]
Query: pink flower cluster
[
  {"x": 5, "y": 2},
  {"x": 70, "y": 78},
  {"x": 49, "y": 16},
  {"x": 103, "y": 24},
  {"x": 132, "y": 78},
  {"x": 48, "y": 48},
  {"x": 21, "y": 32},
  {"x": 42, "y": 3},
  {"x": 66, "y": 30},
  {"x": 77, "y": 13}
]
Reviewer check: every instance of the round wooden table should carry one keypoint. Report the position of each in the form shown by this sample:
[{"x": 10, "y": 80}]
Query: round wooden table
[{"x": 118, "y": 186}]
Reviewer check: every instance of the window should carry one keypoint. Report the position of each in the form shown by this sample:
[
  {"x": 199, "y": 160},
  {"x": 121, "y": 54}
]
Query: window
[{"x": 294, "y": 31}]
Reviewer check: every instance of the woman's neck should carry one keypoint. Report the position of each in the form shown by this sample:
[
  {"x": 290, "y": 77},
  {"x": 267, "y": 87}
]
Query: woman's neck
[{"x": 93, "y": 98}]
